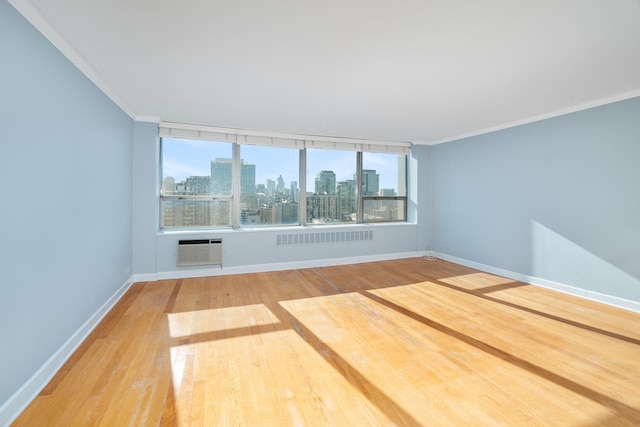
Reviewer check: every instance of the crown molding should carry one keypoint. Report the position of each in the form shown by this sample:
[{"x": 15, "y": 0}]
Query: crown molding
[
  {"x": 46, "y": 28},
  {"x": 147, "y": 119},
  {"x": 556, "y": 113}
]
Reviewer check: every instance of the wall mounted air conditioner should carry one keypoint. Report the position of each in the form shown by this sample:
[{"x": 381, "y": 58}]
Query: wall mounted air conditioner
[{"x": 199, "y": 252}]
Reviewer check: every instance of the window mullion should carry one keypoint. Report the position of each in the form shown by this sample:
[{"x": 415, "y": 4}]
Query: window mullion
[
  {"x": 360, "y": 202},
  {"x": 235, "y": 185},
  {"x": 302, "y": 192}
]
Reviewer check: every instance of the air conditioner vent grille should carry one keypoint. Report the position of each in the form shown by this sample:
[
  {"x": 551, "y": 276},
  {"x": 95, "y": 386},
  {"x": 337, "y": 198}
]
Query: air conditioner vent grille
[
  {"x": 323, "y": 237},
  {"x": 199, "y": 252}
]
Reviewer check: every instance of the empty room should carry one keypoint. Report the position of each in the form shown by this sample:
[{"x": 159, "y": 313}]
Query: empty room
[{"x": 320, "y": 213}]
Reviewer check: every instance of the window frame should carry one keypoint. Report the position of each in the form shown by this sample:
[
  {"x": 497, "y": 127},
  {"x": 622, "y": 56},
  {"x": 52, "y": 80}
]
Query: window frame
[
  {"x": 383, "y": 198},
  {"x": 238, "y": 138},
  {"x": 363, "y": 198}
]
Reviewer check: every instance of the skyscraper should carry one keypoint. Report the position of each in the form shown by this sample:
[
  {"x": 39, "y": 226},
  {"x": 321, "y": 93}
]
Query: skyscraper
[
  {"x": 271, "y": 187},
  {"x": 280, "y": 185},
  {"x": 247, "y": 179},
  {"x": 370, "y": 182},
  {"x": 346, "y": 200},
  {"x": 221, "y": 177},
  {"x": 198, "y": 185},
  {"x": 326, "y": 182},
  {"x": 322, "y": 208}
]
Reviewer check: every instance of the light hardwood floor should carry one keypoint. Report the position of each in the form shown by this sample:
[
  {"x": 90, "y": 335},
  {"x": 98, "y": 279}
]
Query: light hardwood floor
[{"x": 405, "y": 342}]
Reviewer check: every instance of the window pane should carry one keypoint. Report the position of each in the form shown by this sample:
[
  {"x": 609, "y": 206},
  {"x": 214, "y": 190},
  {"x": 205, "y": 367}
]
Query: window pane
[
  {"x": 192, "y": 167},
  {"x": 384, "y": 174},
  {"x": 196, "y": 213},
  {"x": 187, "y": 170},
  {"x": 384, "y": 210},
  {"x": 331, "y": 186},
  {"x": 269, "y": 185}
]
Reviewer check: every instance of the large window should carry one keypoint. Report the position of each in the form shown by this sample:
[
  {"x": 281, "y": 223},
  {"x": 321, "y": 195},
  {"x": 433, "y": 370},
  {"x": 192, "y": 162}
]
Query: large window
[{"x": 218, "y": 179}]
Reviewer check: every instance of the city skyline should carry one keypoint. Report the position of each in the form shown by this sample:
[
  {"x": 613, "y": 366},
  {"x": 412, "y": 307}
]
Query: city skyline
[
  {"x": 268, "y": 185},
  {"x": 182, "y": 158},
  {"x": 274, "y": 203},
  {"x": 324, "y": 183}
]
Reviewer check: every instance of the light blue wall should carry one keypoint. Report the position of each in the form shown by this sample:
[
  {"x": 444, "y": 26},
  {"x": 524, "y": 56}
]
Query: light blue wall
[
  {"x": 146, "y": 189},
  {"x": 65, "y": 220},
  {"x": 420, "y": 191},
  {"x": 557, "y": 199}
]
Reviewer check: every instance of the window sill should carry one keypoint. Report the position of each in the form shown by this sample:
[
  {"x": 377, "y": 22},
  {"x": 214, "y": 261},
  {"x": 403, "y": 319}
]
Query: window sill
[{"x": 277, "y": 229}]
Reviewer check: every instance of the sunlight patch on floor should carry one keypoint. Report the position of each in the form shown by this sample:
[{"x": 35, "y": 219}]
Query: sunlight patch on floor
[
  {"x": 476, "y": 281},
  {"x": 190, "y": 323}
]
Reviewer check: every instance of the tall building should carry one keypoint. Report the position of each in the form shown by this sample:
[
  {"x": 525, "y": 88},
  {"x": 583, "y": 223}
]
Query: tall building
[
  {"x": 249, "y": 217},
  {"x": 322, "y": 208},
  {"x": 294, "y": 191},
  {"x": 280, "y": 185},
  {"x": 346, "y": 191},
  {"x": 198, "y": 185},
  {"x": 326, "y": 182},
  {"x": 190, "y": 213},
  {"x": 247, "y": 181},
  {"x": 289, "y": 213},
  {"x": 271, "y": 187},
  {"x": 370, "y": 182},
  {"x": 221, "y": 177}
]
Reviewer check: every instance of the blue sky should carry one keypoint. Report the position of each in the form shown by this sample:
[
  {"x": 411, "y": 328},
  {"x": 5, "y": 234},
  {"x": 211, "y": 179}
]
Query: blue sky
[{"x": 183, "y": 158}]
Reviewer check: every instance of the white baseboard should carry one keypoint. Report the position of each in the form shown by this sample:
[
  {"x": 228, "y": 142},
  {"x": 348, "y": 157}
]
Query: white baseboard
[
  {"x": 261, "y": 268},
  {"x": 17, "y": 403},
  {"x": 549, "y": 284},
  {"x": 147, "y": 277}
]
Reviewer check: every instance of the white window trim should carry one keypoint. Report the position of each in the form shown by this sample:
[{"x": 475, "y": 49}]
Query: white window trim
[{"x": 282, "y": 140}]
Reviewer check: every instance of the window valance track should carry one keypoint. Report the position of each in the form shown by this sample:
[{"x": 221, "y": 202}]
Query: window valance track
[{"x": 187, "y": 131}]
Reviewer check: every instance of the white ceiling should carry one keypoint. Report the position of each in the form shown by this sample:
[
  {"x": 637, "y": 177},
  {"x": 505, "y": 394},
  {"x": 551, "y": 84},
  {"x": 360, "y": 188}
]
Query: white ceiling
[{"x": 422, "y": 71}]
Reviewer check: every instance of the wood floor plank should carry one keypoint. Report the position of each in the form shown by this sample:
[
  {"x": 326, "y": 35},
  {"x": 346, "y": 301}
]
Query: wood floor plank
[{"x": 404, "y": 342}]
